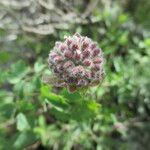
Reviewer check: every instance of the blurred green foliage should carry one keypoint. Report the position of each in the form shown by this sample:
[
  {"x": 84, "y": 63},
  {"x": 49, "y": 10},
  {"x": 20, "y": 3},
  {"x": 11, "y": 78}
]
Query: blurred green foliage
[{"x": 114, "y": 115}]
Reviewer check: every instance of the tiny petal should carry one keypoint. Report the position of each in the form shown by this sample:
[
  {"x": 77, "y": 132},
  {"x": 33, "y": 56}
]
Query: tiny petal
[
  {"x": 86, "y": 53},
  {"x": 60, "y": 67},
  {"x": 96, "y": 52},
  {"x": 93, "y": 45},
  {"x": 74, "y": 46},
  {"x": 87, "y": 62},
  {"x": 85, "y": 43},
  {"x": 68, "y": 54},
  {"x": 58, "y": 59},
  {"x": 82, "y": 82},
  {"x": 75, "y": 71},
  {"x": 88, "y": 75},
  {"x": 79, "y": 70},
  {"x": 97, "y": 60},
  {"x": 68, "y": 64},
  {"x": 78, "y": 35},
  {"x": 52, "y": 55},
  {"x": 93, "y": 74},
  {"x": 96, "y": 67},
  {"x": 69, "y": 41},
  {"x": 77, "y": 56},
  {"x": 63, "y": 47},
  {"x": 57, "y": 44}
]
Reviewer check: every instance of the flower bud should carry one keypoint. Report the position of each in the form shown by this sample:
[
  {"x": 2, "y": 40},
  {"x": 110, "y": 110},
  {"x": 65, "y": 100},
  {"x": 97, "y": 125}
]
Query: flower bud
[
  {"x": 85, "y": 43},
  {"x": 79, "y": 70},
  {"x": 87, "y": 62},
  {"x": 74, "y": 46},
  {"x": 93, "y": 45},
  {"x": 96, "y": 52},
  {"x": 82, "y": 82},
  {"x": 86, "y": 53},
  {"x": 88, "y": 75},
  {"x": 63, "y": 47},
  {"x": 68, "y": 64},
  {"x": 60, "y": 67},
  {"x": 96, "y": 67},
  {"x": 77, "y": 56},
  {"x": 78, "y": 35},
  {"x": 57, "y": 44},
  {"x": 77, "y": 62},
  {"x": 97, "y": 60},
  {"x": 53, "y": 55},
  {"x": 68, "y": 54},
  {"x": 58, "y": 59},
  {"x": 69, "y": 41}
]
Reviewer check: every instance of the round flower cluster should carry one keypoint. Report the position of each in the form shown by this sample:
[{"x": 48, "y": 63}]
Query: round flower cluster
[{"x": 77, "y": 62}]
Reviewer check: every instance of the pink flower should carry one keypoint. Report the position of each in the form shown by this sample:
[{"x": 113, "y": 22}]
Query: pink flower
[{"x": 77, "y": 62}]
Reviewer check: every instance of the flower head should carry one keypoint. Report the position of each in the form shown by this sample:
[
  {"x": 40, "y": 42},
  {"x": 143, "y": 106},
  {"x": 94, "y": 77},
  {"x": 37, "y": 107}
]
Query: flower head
[{"x": 78, "y": 62}]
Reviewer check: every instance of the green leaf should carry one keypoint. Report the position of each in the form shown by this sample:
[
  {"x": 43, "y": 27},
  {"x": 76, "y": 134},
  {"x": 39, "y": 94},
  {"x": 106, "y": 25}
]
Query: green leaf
[
  {"x": 24, "y": 139},
  {"x": 55, "y": 99},
  {"x": 70, "y": 96},
  {"x": 7, "y": 110},
  {"x": 4, "y": 56},
  {"x": 84, "y": 110},
  {"x": 123, "y": 18},
  {"x": 39, "y": 66},
  {"x": 18, "y": 71},
  {"x": 22, "y": 122}
]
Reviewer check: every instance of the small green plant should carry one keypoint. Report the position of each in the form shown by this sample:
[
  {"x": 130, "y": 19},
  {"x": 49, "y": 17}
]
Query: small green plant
[{"x": 76, "y": 63}]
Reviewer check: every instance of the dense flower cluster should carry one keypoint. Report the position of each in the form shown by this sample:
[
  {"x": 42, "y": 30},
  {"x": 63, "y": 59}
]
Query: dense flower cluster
[{"x": 77, "y": 62}]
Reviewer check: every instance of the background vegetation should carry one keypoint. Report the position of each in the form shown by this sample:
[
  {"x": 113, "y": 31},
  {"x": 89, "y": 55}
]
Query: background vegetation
[{"x": 36, "y": 116}]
